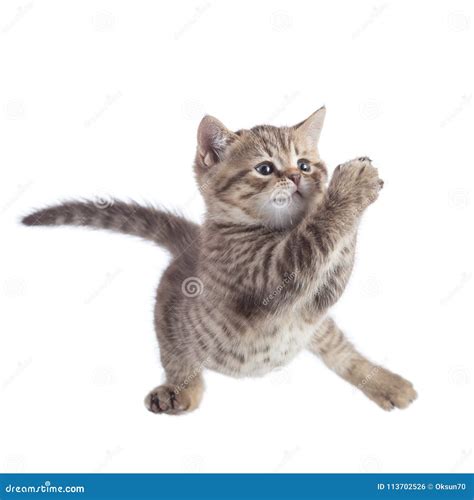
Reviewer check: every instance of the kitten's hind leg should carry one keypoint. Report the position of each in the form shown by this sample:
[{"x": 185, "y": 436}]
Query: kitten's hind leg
[
  {"x": 181, "y": 393},
  {"x": 385, "y": 388}
]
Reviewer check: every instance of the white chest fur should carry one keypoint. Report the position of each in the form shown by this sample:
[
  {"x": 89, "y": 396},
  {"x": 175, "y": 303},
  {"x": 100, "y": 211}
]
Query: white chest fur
[{"x": 273, "y": 348}]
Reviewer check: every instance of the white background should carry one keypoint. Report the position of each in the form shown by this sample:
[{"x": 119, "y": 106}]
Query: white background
[{"x": 104, "y": 98}]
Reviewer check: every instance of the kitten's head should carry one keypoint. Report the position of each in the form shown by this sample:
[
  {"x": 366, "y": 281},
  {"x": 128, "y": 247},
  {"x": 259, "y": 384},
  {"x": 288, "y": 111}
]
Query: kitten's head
[{"x": 265, "y": 175}]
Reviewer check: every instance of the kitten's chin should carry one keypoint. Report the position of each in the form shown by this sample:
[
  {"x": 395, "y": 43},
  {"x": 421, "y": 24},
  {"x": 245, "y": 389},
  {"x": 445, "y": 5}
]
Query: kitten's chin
[
  {"x": 282, "y": 212},
  {"x": 290, "y": 212},
  {"x": 282, "y": 217}
]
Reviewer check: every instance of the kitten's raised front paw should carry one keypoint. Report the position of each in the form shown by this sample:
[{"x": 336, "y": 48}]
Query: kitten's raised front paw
[
  {"x": 166, "y": 399},
  {"x": 387, "y": 389},
  {"x": 357, "y": 181}
]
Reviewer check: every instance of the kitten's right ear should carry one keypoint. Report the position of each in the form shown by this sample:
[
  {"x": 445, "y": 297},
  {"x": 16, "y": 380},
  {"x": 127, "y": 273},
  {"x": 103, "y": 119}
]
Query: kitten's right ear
[
  {"x": 310, "y": 129},
  {"x": 213, "y": 138}
]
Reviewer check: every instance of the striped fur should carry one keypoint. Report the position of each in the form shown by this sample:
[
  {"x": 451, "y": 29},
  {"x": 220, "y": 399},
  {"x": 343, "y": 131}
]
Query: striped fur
[
  {"x": 163, "y": 228},
  {"x": 251, "y": 287}
]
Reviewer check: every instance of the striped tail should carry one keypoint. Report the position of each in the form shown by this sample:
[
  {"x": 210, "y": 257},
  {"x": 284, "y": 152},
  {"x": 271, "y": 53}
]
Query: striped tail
[{"x": 168, "y": 230}]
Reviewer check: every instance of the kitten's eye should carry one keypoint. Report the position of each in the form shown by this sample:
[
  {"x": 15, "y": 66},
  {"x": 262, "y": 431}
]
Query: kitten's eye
[
  {"x": 304, "y": 165},
  {"x": 265, "y": 168}
]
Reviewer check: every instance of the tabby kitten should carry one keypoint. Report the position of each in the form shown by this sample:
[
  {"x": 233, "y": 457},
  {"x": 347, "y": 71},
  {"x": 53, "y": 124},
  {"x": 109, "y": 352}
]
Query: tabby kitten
[{"x": 251, "y": 287}]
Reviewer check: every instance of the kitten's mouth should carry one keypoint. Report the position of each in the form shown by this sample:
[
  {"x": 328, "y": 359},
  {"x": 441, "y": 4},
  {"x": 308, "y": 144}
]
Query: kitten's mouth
[{"x": 296, "y": 195}]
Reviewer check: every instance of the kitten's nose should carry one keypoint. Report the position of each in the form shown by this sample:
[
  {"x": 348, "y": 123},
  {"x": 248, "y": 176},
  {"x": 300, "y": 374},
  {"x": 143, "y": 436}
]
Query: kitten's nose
[{"x": 295, "y": 178}]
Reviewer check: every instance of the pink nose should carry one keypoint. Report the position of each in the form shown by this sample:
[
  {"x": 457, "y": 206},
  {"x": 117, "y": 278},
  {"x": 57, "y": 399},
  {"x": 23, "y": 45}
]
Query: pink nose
[{"x": 295, "y": 178}]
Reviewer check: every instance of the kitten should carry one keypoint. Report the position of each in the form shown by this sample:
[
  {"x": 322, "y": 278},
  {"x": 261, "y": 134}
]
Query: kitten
[{"x": 251, "y": 287}]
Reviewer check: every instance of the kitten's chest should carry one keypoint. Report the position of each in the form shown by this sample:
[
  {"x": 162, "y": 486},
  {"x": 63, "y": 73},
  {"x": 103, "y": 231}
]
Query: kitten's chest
[{"x": 274, "y": 346}]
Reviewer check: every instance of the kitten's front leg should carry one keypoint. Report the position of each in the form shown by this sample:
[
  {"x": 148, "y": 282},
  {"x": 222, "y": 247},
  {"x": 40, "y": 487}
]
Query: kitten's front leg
[
  {"x": 354, "y": 186},
  {"x": 356, "y": 181},
  {"x": 385, "y": 388},
  {"x": 298, "y": 265},
  {"x": 319, "y": 243},
  {"x": 184, "y": 385}
]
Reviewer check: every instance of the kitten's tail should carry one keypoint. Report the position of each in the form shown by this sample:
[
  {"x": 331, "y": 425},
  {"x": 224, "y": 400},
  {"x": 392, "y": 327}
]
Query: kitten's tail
[{"x": 166, "y": 229}]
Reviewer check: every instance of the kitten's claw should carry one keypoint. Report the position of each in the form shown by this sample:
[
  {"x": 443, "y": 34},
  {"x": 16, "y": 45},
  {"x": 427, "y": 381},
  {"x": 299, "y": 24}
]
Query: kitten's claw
[
  {"x": 356, "y": 180},
  {"x": 166, "y": 399}
]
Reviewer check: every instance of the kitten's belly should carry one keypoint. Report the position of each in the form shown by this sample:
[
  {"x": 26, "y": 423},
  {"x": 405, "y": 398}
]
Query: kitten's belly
[{"x": 268, "y": 350}]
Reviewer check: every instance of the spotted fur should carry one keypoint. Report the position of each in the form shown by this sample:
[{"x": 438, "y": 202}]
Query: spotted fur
[{"x": 251, "y": 287}]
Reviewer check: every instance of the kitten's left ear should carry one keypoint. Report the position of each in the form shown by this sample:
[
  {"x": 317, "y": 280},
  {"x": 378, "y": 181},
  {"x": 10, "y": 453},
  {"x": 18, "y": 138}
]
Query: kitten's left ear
[
  {"x": 310, "y": 129},
  {"x": 213, "y": 139}
]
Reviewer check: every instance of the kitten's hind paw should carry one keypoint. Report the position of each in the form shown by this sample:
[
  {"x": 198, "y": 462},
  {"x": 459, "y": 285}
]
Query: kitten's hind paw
[
  {"x": 388, "y": 389},
  {"x": 172, "y": 400},
  {"x": 166, "y": 399}
]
